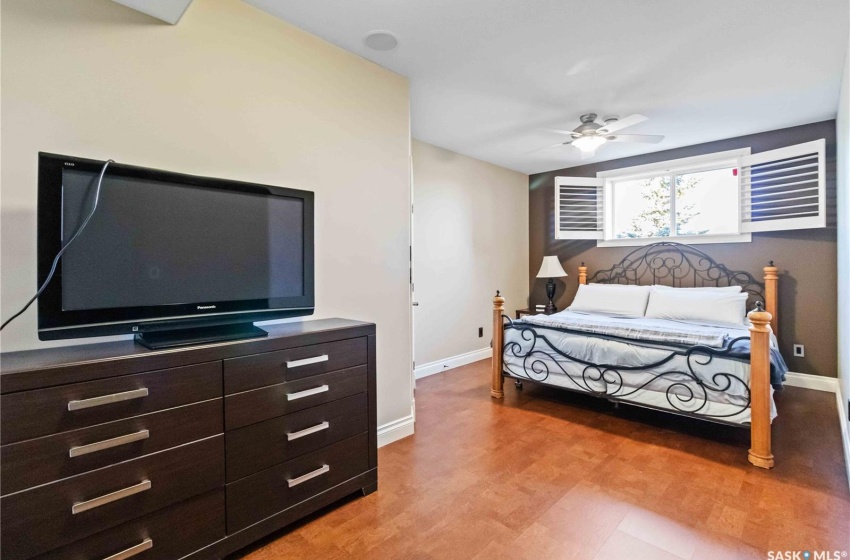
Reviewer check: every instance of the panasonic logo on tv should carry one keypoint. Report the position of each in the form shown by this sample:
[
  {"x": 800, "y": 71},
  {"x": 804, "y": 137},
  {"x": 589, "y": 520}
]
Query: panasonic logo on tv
[{"x": 206, "y": 307}]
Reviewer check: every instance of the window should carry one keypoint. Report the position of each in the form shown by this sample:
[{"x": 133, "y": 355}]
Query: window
[
  {"x": 679, "y": 204},
  {"x": 717, "y": 198}
]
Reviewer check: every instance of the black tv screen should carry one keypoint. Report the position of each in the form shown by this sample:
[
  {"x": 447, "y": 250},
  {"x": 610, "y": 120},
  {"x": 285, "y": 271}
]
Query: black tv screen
[{"x": 164, "y": 248}]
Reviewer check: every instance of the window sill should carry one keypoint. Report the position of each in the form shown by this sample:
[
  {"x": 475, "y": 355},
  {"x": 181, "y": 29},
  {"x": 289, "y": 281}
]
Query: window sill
[{"x": 686, "y": 239}]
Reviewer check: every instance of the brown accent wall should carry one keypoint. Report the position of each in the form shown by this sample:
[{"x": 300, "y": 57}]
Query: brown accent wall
[{"x": 806, "y": 258}]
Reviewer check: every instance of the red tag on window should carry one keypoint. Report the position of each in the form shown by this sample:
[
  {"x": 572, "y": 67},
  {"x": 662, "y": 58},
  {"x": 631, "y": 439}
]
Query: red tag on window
[{"x": 734, "y": 171}]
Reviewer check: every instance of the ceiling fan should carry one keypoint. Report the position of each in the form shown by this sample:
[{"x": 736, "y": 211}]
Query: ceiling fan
[{"x": 589, "y": 135}]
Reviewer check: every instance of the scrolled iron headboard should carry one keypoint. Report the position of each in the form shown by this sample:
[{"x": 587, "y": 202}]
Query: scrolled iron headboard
[{"x": 678, "y": 265}]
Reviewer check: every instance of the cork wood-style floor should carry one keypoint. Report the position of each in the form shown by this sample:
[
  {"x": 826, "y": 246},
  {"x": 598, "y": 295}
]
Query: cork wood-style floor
[{"x": 548, "y": 474}]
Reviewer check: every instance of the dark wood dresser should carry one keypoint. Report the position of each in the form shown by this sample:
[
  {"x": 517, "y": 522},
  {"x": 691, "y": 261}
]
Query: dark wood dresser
[{"x": 112, "y": 451}]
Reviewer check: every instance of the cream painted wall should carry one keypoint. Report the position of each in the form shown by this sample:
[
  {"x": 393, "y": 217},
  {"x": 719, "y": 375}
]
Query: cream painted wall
[
  {"x": 229, "y": 92},
  {"x": 470, "y": 231},
  {"x": 843, "y": 212}
]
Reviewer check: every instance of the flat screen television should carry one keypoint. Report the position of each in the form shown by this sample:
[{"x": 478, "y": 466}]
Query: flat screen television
[{"x": 175, "y": 259}]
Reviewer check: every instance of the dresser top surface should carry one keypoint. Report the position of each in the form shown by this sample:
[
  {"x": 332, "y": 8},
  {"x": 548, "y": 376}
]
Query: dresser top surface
[{"x": 298, "y": 332}]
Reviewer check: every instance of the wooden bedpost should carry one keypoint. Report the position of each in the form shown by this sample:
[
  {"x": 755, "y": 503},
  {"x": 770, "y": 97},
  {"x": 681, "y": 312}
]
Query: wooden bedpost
[
  {"x": 771, "y": 295},
  {"x": 760, "y": 453},
  {"x": 497, "y": 389},
  {"x": 582, "y": 274}
]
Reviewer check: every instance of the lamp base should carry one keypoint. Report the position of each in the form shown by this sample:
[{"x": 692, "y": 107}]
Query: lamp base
[{"x": 550, "y": 293}]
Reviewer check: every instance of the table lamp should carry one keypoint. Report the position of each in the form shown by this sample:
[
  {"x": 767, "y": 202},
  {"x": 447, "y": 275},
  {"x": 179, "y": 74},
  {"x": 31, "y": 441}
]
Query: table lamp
[{"x": 551, "y": 269}]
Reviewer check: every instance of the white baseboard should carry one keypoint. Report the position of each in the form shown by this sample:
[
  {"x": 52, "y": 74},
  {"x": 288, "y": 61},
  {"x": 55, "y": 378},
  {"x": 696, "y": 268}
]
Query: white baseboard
[
  {"x": 808, "y": 381},
  {"x": 845, "y": 429},
  {"x": 455, "y": 361},
  {"x": 396, "y": 430}
]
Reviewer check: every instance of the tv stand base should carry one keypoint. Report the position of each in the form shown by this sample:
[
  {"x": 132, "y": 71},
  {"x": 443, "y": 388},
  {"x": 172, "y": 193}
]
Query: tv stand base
[{"x": 157, "y": 340}]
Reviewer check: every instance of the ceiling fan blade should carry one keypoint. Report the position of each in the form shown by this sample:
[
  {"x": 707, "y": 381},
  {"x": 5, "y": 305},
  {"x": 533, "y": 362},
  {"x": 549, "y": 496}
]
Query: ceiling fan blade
[
  {"x": 622, "y": 123},
  {"x": 560, "y": 131},
  {"x": 559, "y": 144},
  {"x": 642, "y": 138}
]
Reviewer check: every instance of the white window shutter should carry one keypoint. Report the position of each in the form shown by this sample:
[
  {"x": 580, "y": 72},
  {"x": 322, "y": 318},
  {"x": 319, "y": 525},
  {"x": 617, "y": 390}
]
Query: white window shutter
[
  {"x": 579, "y": 209},
  {"x": 784, "y": 189}
]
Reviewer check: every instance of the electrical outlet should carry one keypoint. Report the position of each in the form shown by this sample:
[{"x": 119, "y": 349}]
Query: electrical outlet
[
  {"x": 799, "y": 351},
  {"x": 480, "y": 332}
]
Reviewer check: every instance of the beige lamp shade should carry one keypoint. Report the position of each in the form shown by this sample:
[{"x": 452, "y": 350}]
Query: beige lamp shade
[{"x": 551, "y": 268}]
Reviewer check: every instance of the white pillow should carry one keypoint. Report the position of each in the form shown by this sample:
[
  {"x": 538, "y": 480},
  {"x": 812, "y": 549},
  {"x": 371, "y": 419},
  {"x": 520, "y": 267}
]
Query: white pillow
[
  {"x": 611, "y": 299},
  {"x": 697, "y": 306},
  {"x": 732, "y": 289}
]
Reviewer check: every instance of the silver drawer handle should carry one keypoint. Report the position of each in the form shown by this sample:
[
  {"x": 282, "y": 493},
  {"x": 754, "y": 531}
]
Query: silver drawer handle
[
  {"x": 80, "y": 507},
  {"x": 108, "y": 399},
  {"x": 307, "y": 393},
  {"x": 132, "y": 551},
  {"x": 108, "y": 443},
  {"x": 307, "y": 431},
  {"x": 304, "y": 478},
  {"x": 307, "y": 361}
]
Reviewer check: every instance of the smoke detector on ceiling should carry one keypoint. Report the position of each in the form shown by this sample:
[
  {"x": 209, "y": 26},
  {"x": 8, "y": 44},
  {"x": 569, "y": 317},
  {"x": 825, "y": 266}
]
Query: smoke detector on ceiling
[{"x": 380, "y": 40}]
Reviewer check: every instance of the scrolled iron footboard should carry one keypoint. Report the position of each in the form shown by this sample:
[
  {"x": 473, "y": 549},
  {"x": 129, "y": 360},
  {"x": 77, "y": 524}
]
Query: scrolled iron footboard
[{"x": 686, "y": 392}]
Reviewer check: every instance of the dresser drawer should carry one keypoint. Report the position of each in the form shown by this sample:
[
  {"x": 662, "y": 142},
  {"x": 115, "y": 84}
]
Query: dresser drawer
[
  {"x": 255, "y": 406},
  {"x": 250, "y": 372},
  {"x": 46, "y": 459},
  {"x": 257, "y": 447},
  {"x": 31, "y": 414},
  {"x": 43, "y": 518},
  {"x": 263, "y": 494},
  {"x": 169, "y": 533}
]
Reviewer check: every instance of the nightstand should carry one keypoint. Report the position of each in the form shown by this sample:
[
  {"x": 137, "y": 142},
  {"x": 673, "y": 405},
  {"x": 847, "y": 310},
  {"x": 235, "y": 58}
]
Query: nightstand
[{"x": 531, "y": 311}]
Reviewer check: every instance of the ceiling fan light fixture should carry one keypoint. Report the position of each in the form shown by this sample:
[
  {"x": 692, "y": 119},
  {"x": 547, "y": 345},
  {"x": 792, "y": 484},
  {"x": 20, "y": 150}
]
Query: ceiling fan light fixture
[
  {"x": 589, "y": 143},
  {"x": 589, "y": 135}
]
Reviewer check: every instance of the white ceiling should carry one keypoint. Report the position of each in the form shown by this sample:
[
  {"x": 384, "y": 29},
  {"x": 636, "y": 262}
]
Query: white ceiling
[{"x": 488, "y": 76}]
